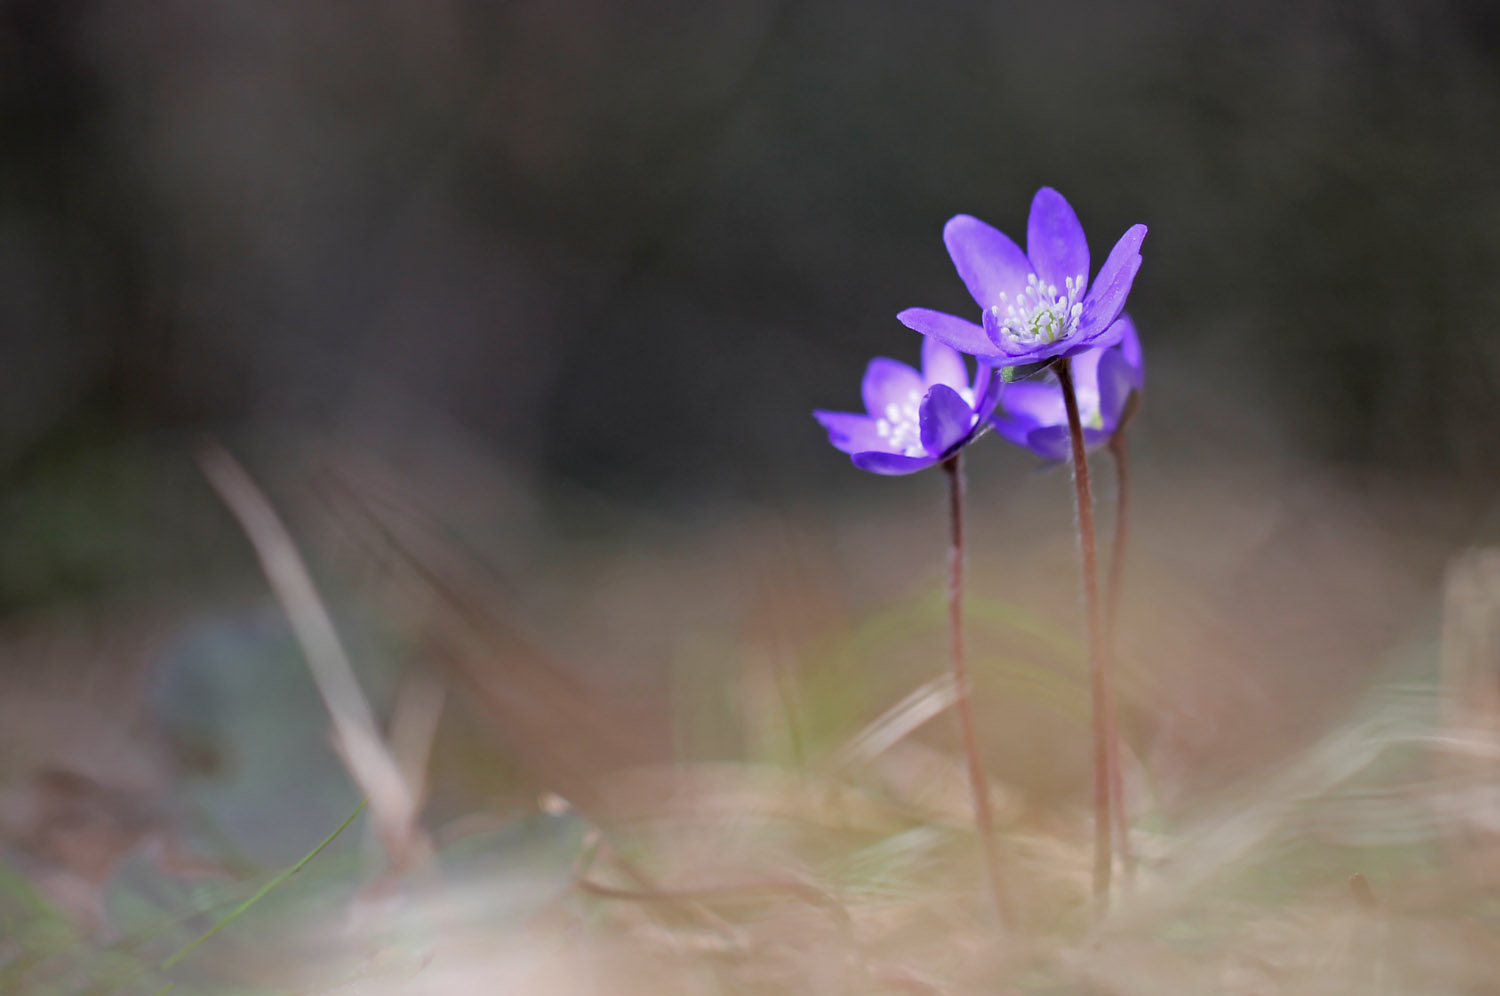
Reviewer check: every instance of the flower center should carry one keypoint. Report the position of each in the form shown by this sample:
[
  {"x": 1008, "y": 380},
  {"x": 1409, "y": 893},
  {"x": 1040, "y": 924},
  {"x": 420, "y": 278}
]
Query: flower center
[
  {"x": 1039, "y": 314},
  {"x": 901, "y": 426}
]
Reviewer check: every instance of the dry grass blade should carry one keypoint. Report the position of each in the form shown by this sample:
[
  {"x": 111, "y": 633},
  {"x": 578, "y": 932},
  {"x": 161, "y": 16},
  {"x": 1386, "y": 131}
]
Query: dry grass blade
[
  {"x": 898, "y": 722},
  {"x": 453, "y": 599},
  {"x": 414, "y": 724},
  {"x": 392, "y": 801},
  {"x": 798, "y": 889}
]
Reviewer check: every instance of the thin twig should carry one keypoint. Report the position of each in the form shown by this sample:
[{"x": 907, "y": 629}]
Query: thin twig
[
  {"x": 1098, "y": 660},
  {"x": 979, "y": 785},
  {"x": 356, "y": 737}
]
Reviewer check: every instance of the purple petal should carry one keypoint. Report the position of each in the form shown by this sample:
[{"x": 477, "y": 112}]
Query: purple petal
[
  {"x": 1097, "y": 338},
  {"x": 1037, "y": 354},
  {"x": 946, "y": 419},
  {"x": 1014, "y": 431},
  {"x": 988, "y": 262},
  {"x": 1036, "y": 403},
  {"x": 889, "y": 382},
  {"x": 942, "y": 364},
  {"x": 891, "y": 463},
  {"x": 1130, "y": 348},
  {"x": 960, "y": 333},
  {"x": 988, "y": 389},
  {"x": 993, "y": 330},
  {"x": 1055, "y": 240},
  {"x": 1086, "y": 370},
  {"x": 1115, "y": 384},
  {"x": 1052, "y": 442},
  {"x": 1026, "y": 406},
  {"x": 850, "y": 433},
  {"x": 1010, "y": 354},
  {"x": 1112, "y": 286}
]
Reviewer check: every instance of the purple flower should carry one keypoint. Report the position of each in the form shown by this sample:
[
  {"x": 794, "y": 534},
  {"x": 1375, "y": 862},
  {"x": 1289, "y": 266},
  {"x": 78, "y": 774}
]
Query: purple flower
[
  {"x": 1038, "y": 304},
  {"x": 915, "y": 419},
  {"x": 1032, "y": 415}
]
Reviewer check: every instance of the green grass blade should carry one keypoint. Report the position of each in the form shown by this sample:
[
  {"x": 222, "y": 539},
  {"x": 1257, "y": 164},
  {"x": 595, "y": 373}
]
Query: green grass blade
[{"x": 261, "y": 893}]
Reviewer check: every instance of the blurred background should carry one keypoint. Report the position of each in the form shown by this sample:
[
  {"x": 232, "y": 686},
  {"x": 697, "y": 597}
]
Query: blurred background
[
  {"x": 520, "y": 309},
  {"x": 625, "y": 247}
]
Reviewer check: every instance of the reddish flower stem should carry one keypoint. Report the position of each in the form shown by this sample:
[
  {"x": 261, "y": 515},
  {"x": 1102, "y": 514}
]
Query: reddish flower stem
[
  {"x": 1098, "y": 659},
  {"x": 1121, "y": 454},
  {"x": 978, "y": 784}
]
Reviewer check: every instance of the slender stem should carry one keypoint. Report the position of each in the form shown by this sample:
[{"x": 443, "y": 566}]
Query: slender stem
[
  {"x": 979, "y": 785},
  {"x": 1098, "y": 659},
  {"x": 1121, "y": 454}
]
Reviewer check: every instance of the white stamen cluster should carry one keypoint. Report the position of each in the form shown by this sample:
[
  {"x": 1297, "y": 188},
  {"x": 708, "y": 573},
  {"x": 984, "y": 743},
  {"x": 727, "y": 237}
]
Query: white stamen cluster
[
  {"x": 901, "y": 426},
  {"x": 1039, "y": 314}
]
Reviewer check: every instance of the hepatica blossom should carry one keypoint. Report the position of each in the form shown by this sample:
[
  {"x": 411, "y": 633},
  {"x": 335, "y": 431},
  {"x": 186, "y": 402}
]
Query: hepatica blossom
[
  {"x": 915, "y": 419},
  {"x": 1031, "y": 413},
  {"x": 1034, "y": 305}
]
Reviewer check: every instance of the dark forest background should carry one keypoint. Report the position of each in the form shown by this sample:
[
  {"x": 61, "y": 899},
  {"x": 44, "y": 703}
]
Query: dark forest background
[{"x": 623, "y": 248}]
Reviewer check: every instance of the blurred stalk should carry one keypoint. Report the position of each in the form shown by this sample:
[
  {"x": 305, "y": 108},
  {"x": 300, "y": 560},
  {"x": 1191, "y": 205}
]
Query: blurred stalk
[
  {"x": 1121, "y": 454},
  {"x": 1104, "y": 750},
  {"x": 983, "y": 816}
]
